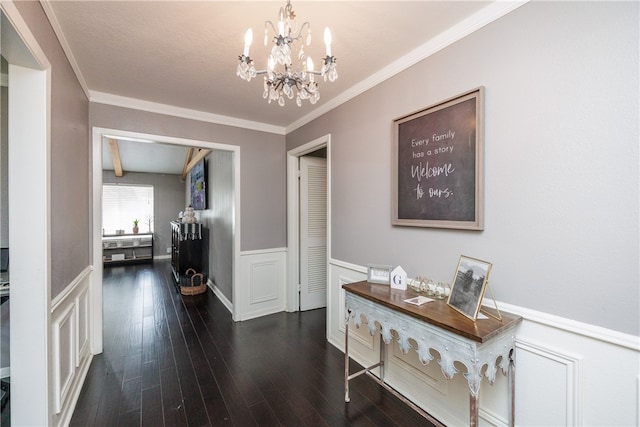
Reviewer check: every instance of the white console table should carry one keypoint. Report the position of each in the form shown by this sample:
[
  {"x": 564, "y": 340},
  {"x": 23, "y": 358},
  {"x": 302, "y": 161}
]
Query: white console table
[{"x": 434, "y": 325}]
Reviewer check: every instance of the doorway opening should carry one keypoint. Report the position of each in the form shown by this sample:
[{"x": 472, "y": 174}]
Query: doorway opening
[
  {"x": 97, "y": 141},
  {"x": 308, "y": 274}
]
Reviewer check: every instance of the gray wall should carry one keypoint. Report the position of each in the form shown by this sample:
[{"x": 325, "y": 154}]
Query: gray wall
[
  {"x": 218, "y": 219},
  {"x": 262, "y": 170},
  {"x": 70, "y": 182},
  {"x": 561, "y": 165},
  {"x": 168, "y": 197}
]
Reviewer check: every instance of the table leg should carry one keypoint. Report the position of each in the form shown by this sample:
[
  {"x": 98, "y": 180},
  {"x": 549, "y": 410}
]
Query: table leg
[
  {"x": 473, "y": 410},
  {"x": 346, "y": 358},
  {"x": 512, "y": 388},
  {"x": 383, "y": 347}
]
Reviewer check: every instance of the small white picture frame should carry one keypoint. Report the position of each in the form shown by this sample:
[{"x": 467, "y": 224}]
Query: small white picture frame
[{"x": 377, "y": 273}]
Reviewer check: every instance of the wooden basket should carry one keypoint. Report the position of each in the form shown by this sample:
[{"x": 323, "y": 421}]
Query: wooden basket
[{"x": 196, "y": 284}]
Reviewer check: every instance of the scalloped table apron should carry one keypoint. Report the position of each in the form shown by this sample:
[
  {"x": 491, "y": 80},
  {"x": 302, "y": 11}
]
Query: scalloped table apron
[{"x": 485, "y": 342}]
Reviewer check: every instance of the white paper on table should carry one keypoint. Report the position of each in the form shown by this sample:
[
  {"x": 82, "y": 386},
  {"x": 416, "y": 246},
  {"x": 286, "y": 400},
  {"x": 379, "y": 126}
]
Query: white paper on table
[{"x": 419, "y": 300}]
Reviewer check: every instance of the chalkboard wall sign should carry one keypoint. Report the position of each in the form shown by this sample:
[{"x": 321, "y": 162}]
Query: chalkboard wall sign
[{"x": 437, "y": 166}]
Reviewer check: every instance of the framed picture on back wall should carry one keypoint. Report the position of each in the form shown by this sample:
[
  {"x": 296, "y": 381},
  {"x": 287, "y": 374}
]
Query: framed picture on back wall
[{"x": 437, "y": 165}]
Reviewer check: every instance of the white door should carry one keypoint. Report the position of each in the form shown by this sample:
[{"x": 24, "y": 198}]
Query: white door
[{"x": 313, "y": 233}]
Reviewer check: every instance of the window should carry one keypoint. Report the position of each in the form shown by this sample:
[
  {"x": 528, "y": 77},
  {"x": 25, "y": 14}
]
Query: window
[{"x": 121, "y": 204}]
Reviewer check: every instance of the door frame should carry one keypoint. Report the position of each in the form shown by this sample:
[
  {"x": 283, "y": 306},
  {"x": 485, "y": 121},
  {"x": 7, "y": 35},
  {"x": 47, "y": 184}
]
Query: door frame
[
  {"x": 29, "y": 133},
  {"x": 97, "y": 135},
  {"x": 293, "y": 217}
]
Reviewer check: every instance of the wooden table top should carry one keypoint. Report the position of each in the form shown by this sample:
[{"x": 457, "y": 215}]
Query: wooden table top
[{"x": 437, "y": 312}]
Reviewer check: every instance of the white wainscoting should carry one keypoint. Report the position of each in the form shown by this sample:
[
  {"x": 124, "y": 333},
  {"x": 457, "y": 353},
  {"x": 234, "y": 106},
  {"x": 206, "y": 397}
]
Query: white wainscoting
[
  {"x": 262, "y": 283},
  {"x": 70, "y": 345},
  {"x": 567, "y": 372}
]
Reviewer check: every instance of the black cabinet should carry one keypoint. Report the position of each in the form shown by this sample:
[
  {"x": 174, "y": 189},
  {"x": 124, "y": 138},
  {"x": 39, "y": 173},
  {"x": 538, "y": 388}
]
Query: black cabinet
[{"x": 186, "y": 248}]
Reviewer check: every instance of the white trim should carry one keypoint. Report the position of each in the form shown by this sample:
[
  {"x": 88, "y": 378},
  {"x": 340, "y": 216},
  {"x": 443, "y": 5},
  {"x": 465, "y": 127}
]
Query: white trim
[
  {"x": 58, "y": 299},
  {"x": 262, "y": 284},
  {"x": 293, "y": 216},
  {"x": 608, "y": 336},
  {"x": 263, "y": 251},
  {"x": 57, "y": 29},
  {"x": 23, "y": 31},
  {"x": 574, "y": 384},
  {"x": 66, "y": 414},
  {"x": 62, "y": 386},
  {"x": 354, "y": 267},
  {"x": 29, "y": 142},
  {"x": 590, "y": 359},
  {"x": 76, "y": 299},
  {"x": 485, "y": 16},
  {"x": 97, "y": 134},
  {"x": 185, "y": 113},
  {"x": 599, "y": 333},
  {"x": 218, "y": 293}
]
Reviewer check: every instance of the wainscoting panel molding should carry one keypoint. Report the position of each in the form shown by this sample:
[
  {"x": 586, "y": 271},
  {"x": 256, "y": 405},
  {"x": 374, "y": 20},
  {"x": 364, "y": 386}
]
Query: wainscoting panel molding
[
  {"x": 567, "y": 372},
  {"x": 64, "y": 349},
  {"x": 70, "y": 345},
  {"x": 262, "y": 283},
  {"x": 82, "y": 322},
  {"x": 538, "y": 364}
]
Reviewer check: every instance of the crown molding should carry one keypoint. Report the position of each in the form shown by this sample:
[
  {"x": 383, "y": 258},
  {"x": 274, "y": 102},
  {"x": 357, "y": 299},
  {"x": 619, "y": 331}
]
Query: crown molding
[
  {"x": 185, "y": 113},
  {"x": 488, "y": 14},
  {"x": 473, "y": 23},
  {"x": 57, "y": 29}
]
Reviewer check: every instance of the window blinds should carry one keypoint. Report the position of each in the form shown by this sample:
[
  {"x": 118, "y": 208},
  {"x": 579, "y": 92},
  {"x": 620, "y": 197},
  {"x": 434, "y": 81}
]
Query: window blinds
[{"x": 121, "y": 204}]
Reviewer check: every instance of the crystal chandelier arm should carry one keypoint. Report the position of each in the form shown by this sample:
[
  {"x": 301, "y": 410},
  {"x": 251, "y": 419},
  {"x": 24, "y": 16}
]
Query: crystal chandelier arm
[
  {"x": 299, "y": 36},
  {"x": 273, "y": 28}
]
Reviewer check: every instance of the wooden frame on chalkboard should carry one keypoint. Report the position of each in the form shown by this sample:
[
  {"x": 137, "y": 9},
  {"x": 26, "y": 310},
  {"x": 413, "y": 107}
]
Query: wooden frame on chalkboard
[
  {"x": 469, "y": 284},
  {"x": 438, "y": 165}
]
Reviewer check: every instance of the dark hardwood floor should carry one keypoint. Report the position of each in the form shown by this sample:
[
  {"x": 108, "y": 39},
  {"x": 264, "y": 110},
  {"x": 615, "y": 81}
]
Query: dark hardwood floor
[{"x": 172, "y": 360}]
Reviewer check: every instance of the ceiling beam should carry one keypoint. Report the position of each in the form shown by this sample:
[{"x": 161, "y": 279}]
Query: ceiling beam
[
  {"x": 115, "y": 157},
  {"x": 201, "y": 154},
  {"x": 187, "y": 159}
]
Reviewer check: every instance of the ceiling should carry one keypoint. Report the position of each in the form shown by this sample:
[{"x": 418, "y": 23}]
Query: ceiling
[{"x": 184, "y": 54}]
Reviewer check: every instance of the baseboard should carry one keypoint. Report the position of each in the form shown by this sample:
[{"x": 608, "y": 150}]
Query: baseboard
[{"x": 218, "y": 293}]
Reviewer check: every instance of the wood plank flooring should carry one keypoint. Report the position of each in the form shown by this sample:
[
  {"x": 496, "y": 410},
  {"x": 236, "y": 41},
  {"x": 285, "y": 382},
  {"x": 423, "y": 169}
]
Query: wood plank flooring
[{"x": 170, "y": 360}]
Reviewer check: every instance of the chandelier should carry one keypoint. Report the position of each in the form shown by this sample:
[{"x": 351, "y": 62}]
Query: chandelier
[{"x": 283, "y": 78}]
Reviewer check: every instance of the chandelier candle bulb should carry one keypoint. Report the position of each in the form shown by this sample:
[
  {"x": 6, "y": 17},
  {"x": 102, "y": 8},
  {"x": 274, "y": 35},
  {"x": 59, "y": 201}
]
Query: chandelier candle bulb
[
  {"x": 281, "y": 22},
  {"x": 327, "y": 40},
  {"x": 248, "y": 38},
  {"x": 310, "y": 68}
]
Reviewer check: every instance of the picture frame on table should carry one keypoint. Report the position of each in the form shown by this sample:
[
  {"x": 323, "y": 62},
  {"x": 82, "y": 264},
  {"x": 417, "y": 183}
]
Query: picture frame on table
[
  {"x": 377, "y": 273},
  {"x": 469, "y": 285}
]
